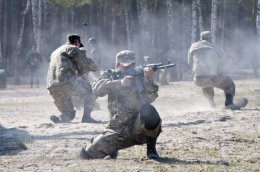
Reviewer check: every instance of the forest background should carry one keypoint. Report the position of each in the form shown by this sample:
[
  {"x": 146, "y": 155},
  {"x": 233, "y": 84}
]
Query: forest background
[{"x": 161, "y": 29}]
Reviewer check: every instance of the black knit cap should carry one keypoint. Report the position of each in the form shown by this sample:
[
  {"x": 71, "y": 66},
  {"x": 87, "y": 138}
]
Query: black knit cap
[{"x": 71, "y": 38}]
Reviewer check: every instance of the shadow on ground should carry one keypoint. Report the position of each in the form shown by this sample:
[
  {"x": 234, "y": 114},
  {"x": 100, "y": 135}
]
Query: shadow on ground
[
  {"x": 67, "y": 136},
  {"x": 12, "y": 140},
  {"x": 167, "y": 160},
  {"x": 184, "y": 123}
]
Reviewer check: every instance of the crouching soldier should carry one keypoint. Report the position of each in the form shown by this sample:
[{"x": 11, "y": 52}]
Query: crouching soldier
[
  {"x": 133, "y": 120},
  {"x": 66, "y": 64}
]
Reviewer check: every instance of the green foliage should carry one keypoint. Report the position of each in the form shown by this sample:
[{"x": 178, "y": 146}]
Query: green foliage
[
  {"x": 103, "y": 3},
  {"x": 252, "y": 160},
  {"x": 211, "y": 169},
  {"x": 70, "y": 3},
  {"x": 210, "y": 152}
]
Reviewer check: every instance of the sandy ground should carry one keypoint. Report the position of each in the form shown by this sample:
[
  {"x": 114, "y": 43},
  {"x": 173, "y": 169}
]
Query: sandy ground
[{"x": 194, "y": 137}]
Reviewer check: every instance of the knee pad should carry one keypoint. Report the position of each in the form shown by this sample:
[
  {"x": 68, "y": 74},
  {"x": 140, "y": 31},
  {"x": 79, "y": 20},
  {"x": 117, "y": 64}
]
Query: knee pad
[{"x": 149, "y": 116}]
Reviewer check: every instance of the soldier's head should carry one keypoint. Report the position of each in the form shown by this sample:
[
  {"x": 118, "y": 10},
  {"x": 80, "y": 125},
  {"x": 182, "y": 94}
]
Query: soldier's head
[
  {"x": 34, "y": 49},
  {"x": 205, "y": 35},
  {"x": 74, "y": 39},
  {"x": 92, "y": 41},
  {"x": 125, "y": 60},
  {"x": 147, "y": 58}
]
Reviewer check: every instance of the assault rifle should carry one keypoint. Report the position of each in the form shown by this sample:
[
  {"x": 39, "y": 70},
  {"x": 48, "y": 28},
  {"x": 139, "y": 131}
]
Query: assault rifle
[{"x": 138, "y": 74}]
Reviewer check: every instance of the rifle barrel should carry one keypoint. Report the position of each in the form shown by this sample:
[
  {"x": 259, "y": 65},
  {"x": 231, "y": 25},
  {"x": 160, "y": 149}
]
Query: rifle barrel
[
  {"x": 153, "y": 65},
  {"x": 166, "y": 66}
]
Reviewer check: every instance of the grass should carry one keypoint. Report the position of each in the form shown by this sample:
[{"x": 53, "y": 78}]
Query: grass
[
  {"x": 252, "y": 160},
  {"x": 10, "y": 145},
  {"x": 22, "y": 144},
  {"x": 244, "y": 137},
  {"x": 212, "y": 169},
  {"x": 210, "y": 152}
]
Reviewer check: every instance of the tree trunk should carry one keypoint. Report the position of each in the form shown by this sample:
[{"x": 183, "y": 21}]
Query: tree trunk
[
  {"x": 222, "y": 23},
  {"x": 13, "y": 28},
  {"x": 1, "y": 31},
  {"x": 194, "y": 22},
  {"x": 1, "y": 55},
  {"x": 200, "y": 16},
  {"x": 137, "y": 43},
  {"x": 171, "y": 55},
  {"x": 46, "y": 29},
  {"x": 6, "y": 21},
  {"x": 214, "y": 7},
  {"x": 127, "y": 25},
  {"x": 170, "y": 25},
  {"x": 254, "y": 14},
  {"x": 258, "y": 21},
  {"x": 256, "y": 33},
  {"x": 155, "y": 29},
  {"x": 40, "y": 25},
  {"x": 35, "y": 21},
  {"x": 114, "y": 21},
  {"x": 20, "y": 40},
  {"x": 46, "y": 12}
]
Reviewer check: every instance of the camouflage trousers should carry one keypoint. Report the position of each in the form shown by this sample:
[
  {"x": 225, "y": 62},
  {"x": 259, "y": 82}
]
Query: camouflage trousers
[
  {"x": 82, "y": 94},
  {"x": 208, "y": 83},
  {"x": 63, "y": 97},
  {"x": 34, "y": 76},
  {"x": 112, "y": 140}
]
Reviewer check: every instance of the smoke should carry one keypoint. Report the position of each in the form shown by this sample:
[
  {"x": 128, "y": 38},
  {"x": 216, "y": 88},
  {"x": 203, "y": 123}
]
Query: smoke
[{"x": 155, "y": 37}]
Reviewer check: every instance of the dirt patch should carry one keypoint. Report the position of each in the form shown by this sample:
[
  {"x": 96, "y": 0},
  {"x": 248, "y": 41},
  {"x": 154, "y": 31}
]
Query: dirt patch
[{"x": 194, "y": 137}]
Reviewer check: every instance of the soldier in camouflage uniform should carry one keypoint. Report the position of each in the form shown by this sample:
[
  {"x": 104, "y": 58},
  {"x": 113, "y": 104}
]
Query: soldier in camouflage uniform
[
  {"x": 67, "y": 64},
  {"x": 206, "y": 61},
  {"x": 133, "y": 120},
  {"x": 34, "y": 59}
]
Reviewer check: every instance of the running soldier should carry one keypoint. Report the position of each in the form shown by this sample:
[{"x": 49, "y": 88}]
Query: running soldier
[
  {"x": 33, "y": 60},
  {"x": 206, "y": 61}
]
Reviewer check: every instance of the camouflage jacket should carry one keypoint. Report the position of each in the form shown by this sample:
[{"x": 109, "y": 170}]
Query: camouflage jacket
[
  {"x": 34, "y": 60},
  {"x": 124, "y": 103},
  {"x": 87, "y": 64},
  {"x": 66, "y": 63},
  {"x": 205, "y": 59}
]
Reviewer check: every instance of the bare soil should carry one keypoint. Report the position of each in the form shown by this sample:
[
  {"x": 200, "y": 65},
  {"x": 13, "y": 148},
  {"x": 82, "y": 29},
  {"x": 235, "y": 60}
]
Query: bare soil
[{"x": 194, "y": 137}]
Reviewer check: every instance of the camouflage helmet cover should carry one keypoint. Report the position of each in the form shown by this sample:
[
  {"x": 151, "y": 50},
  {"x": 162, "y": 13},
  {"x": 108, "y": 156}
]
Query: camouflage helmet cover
[
  {"x": 205, "y": 35},
  {"x": 125, "y": 57}
]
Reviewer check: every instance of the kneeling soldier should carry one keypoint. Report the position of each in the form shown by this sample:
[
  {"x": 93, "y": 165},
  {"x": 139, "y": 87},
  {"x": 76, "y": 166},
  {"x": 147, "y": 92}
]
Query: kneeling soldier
[{"x": 133, "y": 120}]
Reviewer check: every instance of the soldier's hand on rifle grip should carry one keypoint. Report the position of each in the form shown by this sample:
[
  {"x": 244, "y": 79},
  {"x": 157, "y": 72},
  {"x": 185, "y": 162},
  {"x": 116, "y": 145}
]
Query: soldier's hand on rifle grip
[
  {"x": 127, "y": 81},
  {"x": 148, "y": 72}
]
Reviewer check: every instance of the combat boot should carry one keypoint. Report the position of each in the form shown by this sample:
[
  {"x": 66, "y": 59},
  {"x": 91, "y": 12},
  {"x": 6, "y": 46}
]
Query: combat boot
[
  {"x": 87, "y": 118},
  {"x": 63, "y": 118},
  {"x": 84, "y": 154},
  {"x": 229, "y": 104},
  {"x": 229, "y": 100},
  {"x": 151, "y": 148},
  {"x": 114, "y": 155},
  {"x": 55, "y": 119}
]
